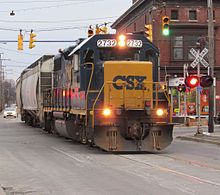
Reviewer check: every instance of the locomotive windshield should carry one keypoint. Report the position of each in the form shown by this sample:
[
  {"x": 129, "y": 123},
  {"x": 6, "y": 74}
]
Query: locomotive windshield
[{"x": 119, "y": 54}]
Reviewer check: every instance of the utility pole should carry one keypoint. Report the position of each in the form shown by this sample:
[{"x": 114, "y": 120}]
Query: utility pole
[
  {"x": 1, "y": 85},
  {"x": 211, "y": 64}
]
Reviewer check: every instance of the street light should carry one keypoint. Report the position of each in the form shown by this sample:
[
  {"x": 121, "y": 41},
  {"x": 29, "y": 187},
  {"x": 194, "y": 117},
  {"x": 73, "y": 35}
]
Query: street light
[{"x": 12, "y": 13}]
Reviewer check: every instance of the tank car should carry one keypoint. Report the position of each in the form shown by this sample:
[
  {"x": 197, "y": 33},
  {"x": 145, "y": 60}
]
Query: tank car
[
  {"x": 105, "y": 92},
  {"x": 29, "y": 90}
]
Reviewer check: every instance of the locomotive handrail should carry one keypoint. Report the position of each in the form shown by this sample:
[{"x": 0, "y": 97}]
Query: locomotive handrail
[
  {"x": 88, "y": 88},
  {"x": 93, "y": 106}
]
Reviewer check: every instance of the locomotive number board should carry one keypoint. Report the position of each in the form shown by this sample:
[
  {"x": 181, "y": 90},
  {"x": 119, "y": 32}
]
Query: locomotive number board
[{"x": 113, "y": 43}]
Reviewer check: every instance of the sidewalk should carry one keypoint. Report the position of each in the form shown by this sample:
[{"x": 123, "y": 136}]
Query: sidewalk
[{"x": 212, "y": 138}]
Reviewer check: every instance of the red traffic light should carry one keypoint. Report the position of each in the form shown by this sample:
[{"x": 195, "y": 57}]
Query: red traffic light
[
  {"x": 192, "y": 81},
  {"x": 206, "y": 81},
  {"x": 181, "y": 88}
]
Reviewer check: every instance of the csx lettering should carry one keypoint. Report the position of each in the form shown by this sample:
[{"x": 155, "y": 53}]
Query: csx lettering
[{"x": 131, "y": 82}]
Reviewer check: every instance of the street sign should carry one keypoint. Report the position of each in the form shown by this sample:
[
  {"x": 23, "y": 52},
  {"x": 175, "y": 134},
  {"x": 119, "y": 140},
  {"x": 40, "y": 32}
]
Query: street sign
[
  {"x": 199, "y": 89},
  {"x": 199, "y": 57},
  {"x": 174, "y": 82}
]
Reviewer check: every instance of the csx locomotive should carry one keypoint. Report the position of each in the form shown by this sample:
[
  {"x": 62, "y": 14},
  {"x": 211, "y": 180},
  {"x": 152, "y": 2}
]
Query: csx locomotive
[{"x": 103, "y": 91}]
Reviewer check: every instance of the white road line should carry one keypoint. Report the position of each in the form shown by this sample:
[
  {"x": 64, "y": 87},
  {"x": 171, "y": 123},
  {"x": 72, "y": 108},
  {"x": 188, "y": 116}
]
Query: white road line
[
  {"x": 174, "y": 172},
  {"x": 73, "y": 157}
]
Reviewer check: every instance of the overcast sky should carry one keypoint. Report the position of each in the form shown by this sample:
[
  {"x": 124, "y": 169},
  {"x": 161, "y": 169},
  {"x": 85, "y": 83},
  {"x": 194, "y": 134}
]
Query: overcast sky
[{"x": 50, "y": 20}]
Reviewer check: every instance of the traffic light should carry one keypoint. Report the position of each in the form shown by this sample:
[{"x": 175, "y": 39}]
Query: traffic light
[
  {"x": 32, "y": 40},
  {"x": 192, "y": 81},
  {"x": 181, "y": 88},
  {"x": 206, "y": 81},
  {"x": 98, "y": 30},
  {"x": 104, "y": 29},
  {"x": 20, "y": 41},
  {"x": 165, "y": 26},
  {"x": 149, "y": 31},
  {"x": 90, "y": 31}
]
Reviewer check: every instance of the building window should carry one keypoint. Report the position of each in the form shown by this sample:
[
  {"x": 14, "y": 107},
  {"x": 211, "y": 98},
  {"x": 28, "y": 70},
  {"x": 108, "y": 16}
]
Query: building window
[
  {"x": 181, "y": 45},
  {"x": 178, "y": 48},
  {"x": 213, "y": 15},
  {"x": 192, "y": 15},
  {"x": 174, "y": 15}
]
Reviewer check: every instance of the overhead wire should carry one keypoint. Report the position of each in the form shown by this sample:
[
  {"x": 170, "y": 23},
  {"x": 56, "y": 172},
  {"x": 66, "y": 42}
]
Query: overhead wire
[
  {"x": 57, "y": 21},
  {"x": 43, "y": 1},
  {"x": 51, "y": 6},
  {"x": 51, "y": 29},
  {"x": 15, "y": 51}
]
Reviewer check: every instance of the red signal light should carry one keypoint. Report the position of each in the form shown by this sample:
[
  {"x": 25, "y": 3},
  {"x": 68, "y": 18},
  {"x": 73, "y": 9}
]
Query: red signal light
[
  {"x": 206, "y": 81},
  {"x": 181, "y": 88},
  {"x": 192, "y": 81}
]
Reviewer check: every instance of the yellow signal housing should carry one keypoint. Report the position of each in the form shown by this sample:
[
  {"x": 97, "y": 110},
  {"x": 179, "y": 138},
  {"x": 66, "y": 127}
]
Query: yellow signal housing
[
  {"x": 149, "y": 32},
  {"x": 20, "y": 42},
  {"x": 104, "y": 29},
  {"x": 90, "y": 31},
  {"x": 166, "y": 25},
  {"x": 32, "y": 40},
  {"x": 98, "y": 30}
]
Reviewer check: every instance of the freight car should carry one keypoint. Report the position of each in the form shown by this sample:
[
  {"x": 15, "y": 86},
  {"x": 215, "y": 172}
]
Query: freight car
[
  {"x": 29, "y": 90},
  {"x": 103, "y": 91}
]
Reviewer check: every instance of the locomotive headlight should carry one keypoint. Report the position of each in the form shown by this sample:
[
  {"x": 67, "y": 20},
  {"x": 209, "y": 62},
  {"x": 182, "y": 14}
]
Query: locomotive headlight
[
  {"x": 121, "y": 41},
  {"x": 159, "y": 112},
  {"x": 106, "y": 112}
]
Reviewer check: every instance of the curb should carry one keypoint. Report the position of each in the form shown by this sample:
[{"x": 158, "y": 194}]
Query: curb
[
  {"x": 2, "y": 192},
  {"x": 197, "y": 139}
]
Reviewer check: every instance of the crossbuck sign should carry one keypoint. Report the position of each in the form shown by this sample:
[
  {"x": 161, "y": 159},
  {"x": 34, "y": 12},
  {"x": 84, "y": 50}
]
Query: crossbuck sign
[{"x": 199, "y": 57}]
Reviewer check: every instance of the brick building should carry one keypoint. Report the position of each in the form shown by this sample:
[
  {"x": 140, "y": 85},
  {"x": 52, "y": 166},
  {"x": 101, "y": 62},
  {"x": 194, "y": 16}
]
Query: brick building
[{"x": 188, "y": 22}]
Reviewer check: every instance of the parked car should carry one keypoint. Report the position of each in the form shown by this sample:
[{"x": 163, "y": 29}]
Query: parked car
[
  {"x": 217, "y": 118},
  {"x": 9, "y": 111}
]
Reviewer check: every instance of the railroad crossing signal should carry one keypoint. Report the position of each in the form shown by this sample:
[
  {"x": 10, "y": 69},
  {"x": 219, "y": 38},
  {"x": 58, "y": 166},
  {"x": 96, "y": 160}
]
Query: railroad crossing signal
[
  {"x": 166, "y": 25},
  {"x": 149, "y": 31},
  {"x": 32, "y": 40},
  {"x": 20, "y": 41},
  {"x": 192, "y": 81},
  {"x": 206, "y": 81},
  {"x": 199, "y": 57}
]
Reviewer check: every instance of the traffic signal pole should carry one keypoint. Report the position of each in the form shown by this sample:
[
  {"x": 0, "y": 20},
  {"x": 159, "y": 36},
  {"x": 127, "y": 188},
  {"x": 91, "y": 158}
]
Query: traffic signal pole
[
  {"x": 211, "y": 65},
  {"x": 185, "y": 66},
  {"x": 199, "y": 129}
]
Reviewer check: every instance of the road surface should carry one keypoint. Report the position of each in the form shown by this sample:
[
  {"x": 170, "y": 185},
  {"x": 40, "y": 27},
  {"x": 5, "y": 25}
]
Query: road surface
[{"x": 33, "y": 162}]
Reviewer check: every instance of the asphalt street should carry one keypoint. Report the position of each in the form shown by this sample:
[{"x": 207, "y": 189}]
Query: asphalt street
[{"x": 33, "y": 162}]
